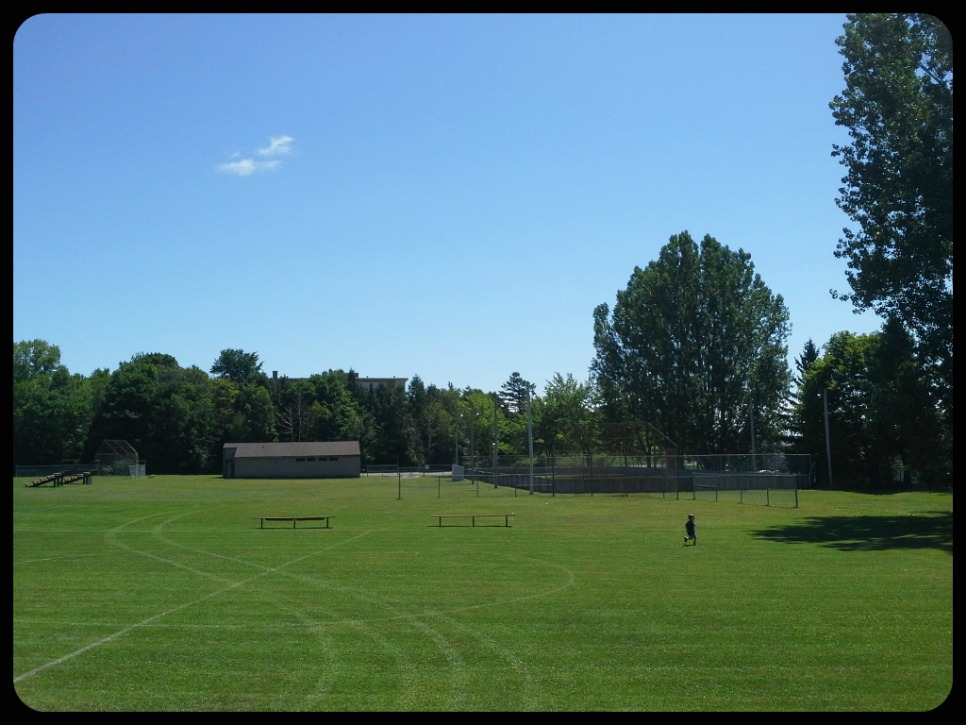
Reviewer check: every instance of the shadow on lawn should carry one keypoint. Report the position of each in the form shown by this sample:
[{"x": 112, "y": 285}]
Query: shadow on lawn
[{"x": 870, "y": 533}]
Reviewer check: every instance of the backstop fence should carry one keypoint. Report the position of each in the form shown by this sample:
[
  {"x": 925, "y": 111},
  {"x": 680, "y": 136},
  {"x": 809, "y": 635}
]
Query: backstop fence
[
  {"x": 718, "y": 475},
  {"x": 113, "y": 458}
]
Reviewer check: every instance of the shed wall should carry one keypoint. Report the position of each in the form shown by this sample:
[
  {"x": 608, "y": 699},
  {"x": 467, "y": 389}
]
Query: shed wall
[{"x": 341, "y": 467}]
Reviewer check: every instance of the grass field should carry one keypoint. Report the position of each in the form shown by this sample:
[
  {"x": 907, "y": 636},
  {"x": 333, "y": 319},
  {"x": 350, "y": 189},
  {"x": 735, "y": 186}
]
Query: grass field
[{"x": 164, "y": 594}]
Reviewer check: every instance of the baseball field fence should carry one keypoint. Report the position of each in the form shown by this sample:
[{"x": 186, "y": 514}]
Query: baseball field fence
[{"x": 767, "y": 479}]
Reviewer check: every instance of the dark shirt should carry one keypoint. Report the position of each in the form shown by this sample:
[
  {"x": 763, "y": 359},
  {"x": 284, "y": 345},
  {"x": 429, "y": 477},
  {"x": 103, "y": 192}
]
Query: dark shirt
[{"x": 689, "y": 527}]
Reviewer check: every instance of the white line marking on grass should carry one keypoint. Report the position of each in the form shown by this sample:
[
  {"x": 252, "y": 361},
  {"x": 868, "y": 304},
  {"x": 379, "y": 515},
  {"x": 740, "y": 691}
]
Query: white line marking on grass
[
  {"x": 526, "y": 597},
  {"x": 117, "y": 634},
  {"x": 142, "y": 623},
  {"x": 111, "y": 536},
  {"x": 60, "y": 557},
  {"x": 407, "y": 670},
  {"x": 457, "y": 665},
  {"x": 516, "y": 664}
]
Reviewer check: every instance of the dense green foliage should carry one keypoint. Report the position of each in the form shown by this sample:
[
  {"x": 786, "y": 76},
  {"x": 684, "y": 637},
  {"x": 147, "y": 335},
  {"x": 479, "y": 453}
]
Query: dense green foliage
[
  {"x": 164, "y": 595},
  {"x": 898, "y": 109},
  {"x": 884, "y": 421},
  {"x": 179, "y": 418},
  {"x": 237, "y": 365},
  {"x": 881, "y": 415},
  {"x": 696, "y": 346}
]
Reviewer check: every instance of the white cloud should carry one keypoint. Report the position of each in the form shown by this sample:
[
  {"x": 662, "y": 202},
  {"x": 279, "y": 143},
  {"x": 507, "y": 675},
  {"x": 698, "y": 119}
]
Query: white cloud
[
  {"x": 277, "y": 145},
  {"x": 247, "y": 167}
]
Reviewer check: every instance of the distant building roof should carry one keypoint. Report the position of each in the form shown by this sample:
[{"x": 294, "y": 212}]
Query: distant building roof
[{"x": 287, "y": 450}]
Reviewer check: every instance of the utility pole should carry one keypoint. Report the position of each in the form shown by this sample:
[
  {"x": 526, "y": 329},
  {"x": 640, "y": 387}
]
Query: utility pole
[
  {"x": 828, "y": 440},
  {"x": 754, "y": 463}
]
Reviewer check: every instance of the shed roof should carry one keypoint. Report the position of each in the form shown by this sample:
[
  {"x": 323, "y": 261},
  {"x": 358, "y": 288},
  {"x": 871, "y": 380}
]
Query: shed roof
[{"x": 287, "y": 450}]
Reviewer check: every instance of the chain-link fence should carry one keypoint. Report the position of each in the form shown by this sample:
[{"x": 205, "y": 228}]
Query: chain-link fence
[
  {"x": 655, "y": 474},
  {"x": 113, "y": 458},
  {"x": 49, "y": 469}
]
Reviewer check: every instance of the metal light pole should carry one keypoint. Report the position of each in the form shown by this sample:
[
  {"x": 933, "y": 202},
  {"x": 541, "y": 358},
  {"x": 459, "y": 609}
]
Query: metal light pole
[
  {"x": 456, "y": 455},
  {"x": 495, "y": 441},
  {"x": 530, "y": 438},
  {"x": 828, "y": 440},
  {"x": 754, "y": 463}
]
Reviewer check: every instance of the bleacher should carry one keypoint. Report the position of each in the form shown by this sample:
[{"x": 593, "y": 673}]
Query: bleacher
[{"x": 61, "y": 478}]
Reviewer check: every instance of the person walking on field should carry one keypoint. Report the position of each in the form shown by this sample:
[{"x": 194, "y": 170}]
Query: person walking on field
[{"x": 689, "y": 529}]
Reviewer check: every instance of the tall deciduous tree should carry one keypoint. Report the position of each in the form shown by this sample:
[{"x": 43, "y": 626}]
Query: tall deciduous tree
[
  {"x": 564, "y": 419},
  {"x": 236, "y": 365},
  {"x": 294, "y": 411},
  {"x": 335, "y": 410},
  {"x": 898, "y": 109},
  {"x": 879, "y": 414},
  {"x": 436, "y": 421},
  {"x": 696, "y": 348},
  {"x": 33, "y": 359},
  {"x": 849, "y": 382},
  {"x": 480, "y": 424},
  {"x": 243, "y": 412},
  {"x": 904, "y": 423},
  {"x": 51, "y": 407},
  {"x": 837, "y": 382},
  {"x": 394, "y": 438},
  {"x": 163, "y": 410}
]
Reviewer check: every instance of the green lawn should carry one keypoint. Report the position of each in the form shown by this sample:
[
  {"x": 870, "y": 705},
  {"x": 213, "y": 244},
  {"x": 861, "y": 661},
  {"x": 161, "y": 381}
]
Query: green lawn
[{"x": 163, "y": 594}]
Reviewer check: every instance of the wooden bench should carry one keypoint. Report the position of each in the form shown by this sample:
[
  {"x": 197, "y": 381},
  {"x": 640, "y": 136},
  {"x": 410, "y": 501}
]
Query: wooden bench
[
  {"x": 293, "y": 519},
  {"x": 85, "y": 477},
  {"x": 53, "y": 477},
  {"x": 472, "y": 517}
]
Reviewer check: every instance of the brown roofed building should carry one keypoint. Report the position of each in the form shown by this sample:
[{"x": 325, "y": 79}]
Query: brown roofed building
[{"x": 332, "y": 459}]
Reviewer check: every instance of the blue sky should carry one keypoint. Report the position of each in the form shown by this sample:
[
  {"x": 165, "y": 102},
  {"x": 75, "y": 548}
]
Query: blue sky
[{"x": 448, "y": 196}]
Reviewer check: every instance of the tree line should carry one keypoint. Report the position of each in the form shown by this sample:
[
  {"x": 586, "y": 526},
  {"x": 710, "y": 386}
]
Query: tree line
[
  {"x": 690, "y": 358},
  {"x": 667, "y": 379}
]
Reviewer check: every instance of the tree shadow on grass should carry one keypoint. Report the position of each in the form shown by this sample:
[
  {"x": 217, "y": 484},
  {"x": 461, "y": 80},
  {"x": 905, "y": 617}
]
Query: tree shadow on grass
[{"x": 869, "y": 533}]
